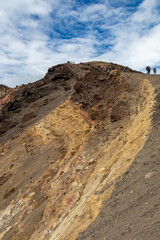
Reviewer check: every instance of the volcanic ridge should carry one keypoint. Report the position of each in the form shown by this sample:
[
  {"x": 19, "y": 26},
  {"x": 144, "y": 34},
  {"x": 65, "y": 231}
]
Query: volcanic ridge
[{"x": 79, "y": 155}]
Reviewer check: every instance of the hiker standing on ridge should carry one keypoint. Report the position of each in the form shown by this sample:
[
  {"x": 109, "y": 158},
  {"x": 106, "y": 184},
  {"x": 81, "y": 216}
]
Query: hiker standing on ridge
[
  {"x": 154, "y": 70},
  {"x": 148, "y": 69}
]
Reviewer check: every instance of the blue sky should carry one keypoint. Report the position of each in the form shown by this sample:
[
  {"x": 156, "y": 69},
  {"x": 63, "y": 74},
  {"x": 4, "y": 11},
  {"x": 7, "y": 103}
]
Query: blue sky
[{"x": 37, "y": 34}]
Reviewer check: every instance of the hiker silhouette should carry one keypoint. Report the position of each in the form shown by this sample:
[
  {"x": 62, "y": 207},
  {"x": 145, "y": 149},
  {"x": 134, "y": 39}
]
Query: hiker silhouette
[{"x": 148, "y": 69}]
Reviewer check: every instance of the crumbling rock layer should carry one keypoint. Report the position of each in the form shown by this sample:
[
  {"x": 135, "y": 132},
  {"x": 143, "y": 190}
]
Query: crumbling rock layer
[
  {"x": 4, "y": 90},
  {"x": 65, "y": 140}
]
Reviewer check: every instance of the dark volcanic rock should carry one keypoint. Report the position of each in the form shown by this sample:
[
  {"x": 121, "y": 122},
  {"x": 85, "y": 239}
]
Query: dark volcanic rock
[
  {"x": 59, "y": 72},
  {"x": 120, "y": 111},
  {"x": 103, "y": 90},
  {"x": 12, "y": 106},
  {"x": 27, "y": 117},
  {"x": 4, "y": 178},
  {"x": 6, "y": 125},
  {"x": 28, "y": 99},
  {"x": 94, "y": 87}
]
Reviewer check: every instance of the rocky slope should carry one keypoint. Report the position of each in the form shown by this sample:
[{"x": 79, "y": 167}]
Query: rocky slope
[
  {"x": 133, "y": 210},
  {"x": 67, "y": 144}
]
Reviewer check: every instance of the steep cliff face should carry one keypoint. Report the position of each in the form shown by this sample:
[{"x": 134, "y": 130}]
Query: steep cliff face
[{"x": 65, "y": 140}]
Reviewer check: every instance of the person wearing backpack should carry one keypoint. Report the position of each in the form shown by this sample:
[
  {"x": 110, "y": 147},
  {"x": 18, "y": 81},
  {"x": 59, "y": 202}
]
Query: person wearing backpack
[
  {"x": 154, "y": 70},
  {"x": 148, "y": 69}
]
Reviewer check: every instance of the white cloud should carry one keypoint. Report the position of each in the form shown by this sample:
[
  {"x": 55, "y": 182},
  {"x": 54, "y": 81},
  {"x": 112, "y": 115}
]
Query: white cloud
[
  {"x": 36, "y": 34},
  {"x": 136, "y": 44},
  {"x": 147, "y": 12}
]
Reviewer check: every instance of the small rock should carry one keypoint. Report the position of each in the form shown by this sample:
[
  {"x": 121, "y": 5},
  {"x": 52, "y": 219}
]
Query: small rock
[
  {"x": 11, "y": 165},
  {"x": 74, "y": 184},
  {"x": 73, "y": 178},
  {"x": 20, "y": 197},
  {"x": 148, "y": 175},
  {"x": 101, "y": 170},
  {"x": 79, "y": 168},
  {"x": 73, "y": 152},
  {"x": 91, "y": 161},
  {"x": 8, "y": 228},
  {"x": 8, "y": 212},
  {"x": 31, "y": 194},
  {"x": 121, "y": 125}
]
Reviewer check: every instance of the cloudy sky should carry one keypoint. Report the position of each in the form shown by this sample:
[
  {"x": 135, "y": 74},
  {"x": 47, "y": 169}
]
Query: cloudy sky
[{"x": 37, "y": 34}]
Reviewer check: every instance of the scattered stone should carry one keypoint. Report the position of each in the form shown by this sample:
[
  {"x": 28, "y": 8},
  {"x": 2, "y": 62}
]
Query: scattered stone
[
  {"x": 74, "y": 184},
  {"x": 8, "y": 228},
  {"x": 101, "y": 170},
  {"x": 32, "y": 194},
  {"x": 121, "y": 125},
  {"x": 4, "y": 178},
  {"x": 11, "y": 165},
  {"x": 73, "y": 152},
  {"x": 79, "y": 168},
  {"x": 27, "y": 117},
  {"x": 20, "y": 197},
  {"x": 148, "y": 175},
  {"x": 91, "y": 161},
  {"x": 9, "y": 192}
]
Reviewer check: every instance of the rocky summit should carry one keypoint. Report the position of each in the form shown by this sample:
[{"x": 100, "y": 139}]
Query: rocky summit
[{"x": 79, "y": 155}]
